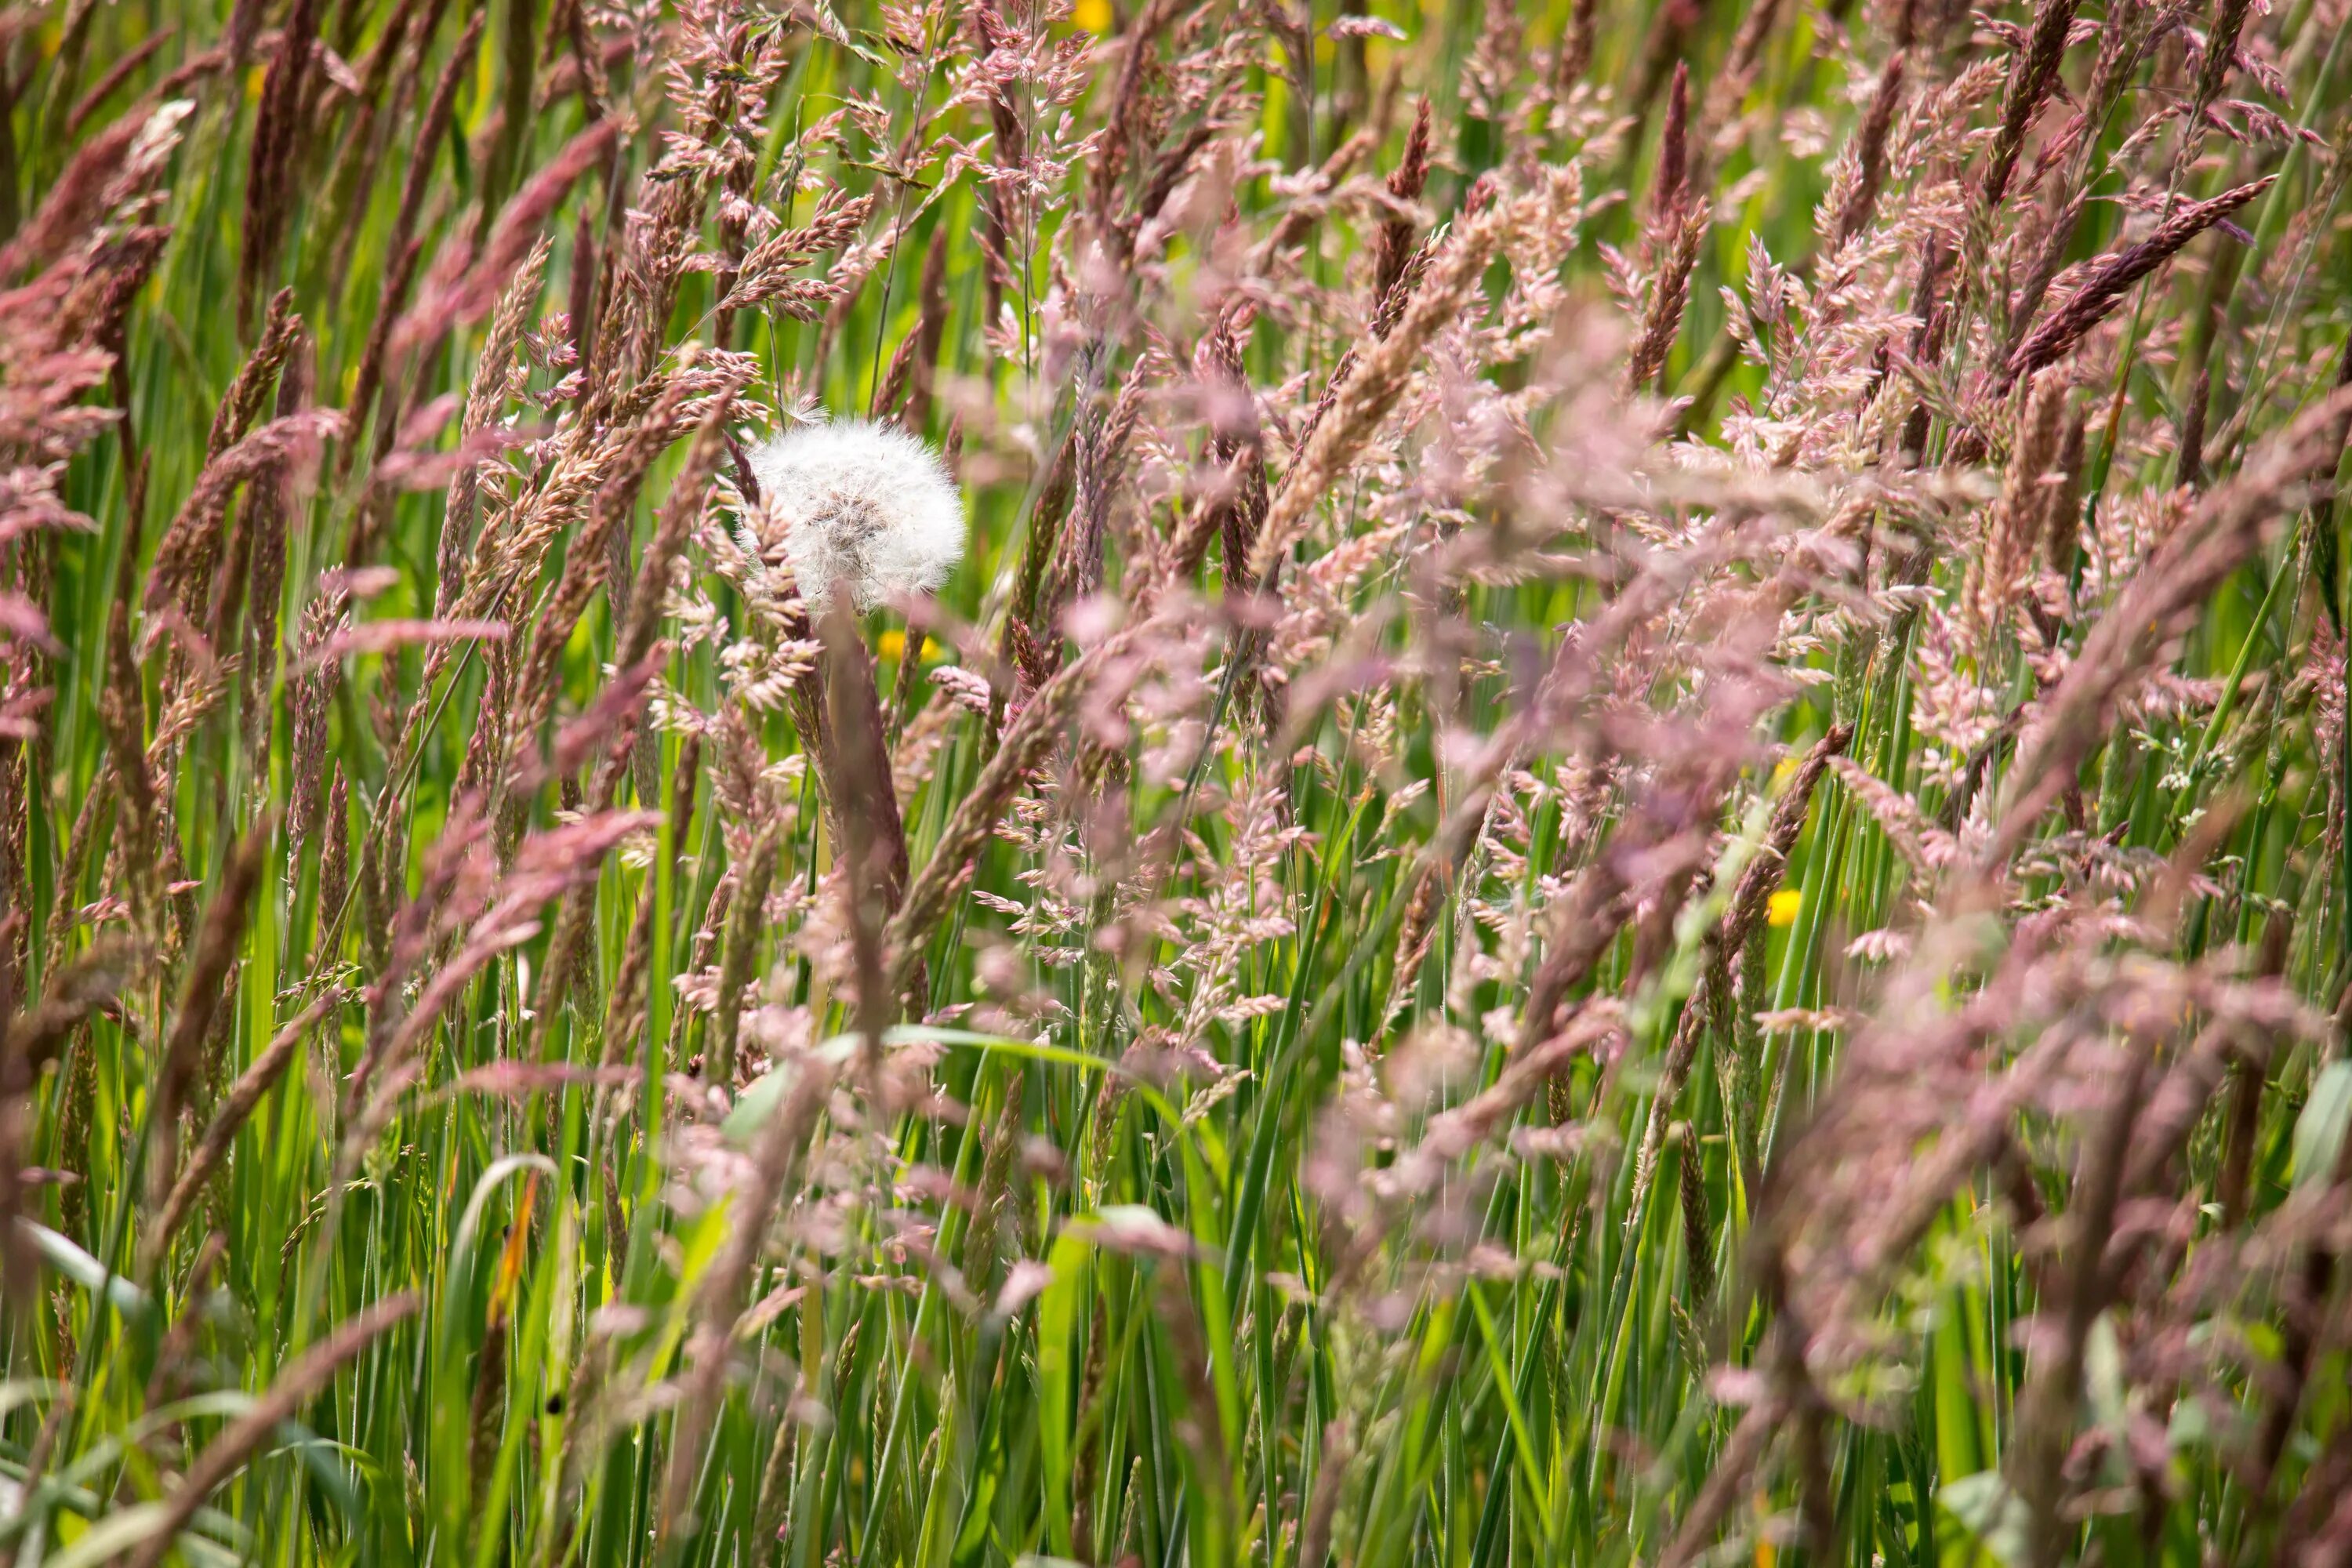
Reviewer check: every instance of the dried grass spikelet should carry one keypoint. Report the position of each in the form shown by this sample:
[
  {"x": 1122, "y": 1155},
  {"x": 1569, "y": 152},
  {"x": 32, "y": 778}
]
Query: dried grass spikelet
[
  {"x": 2108, "y": 279},
  {"x": 1860, "y": 200},
  {"x": 2062, "y": 521},
  {"x": 861, "y": 504},
  {"x": 1998, "y": 574},
  {"x": 2034, "y": 72},
  {"x": 2125, "y": 30},
  {"x": 2155, "y": 607},
  {"x": 1670, "y": 292},
  {"x": 1405, "y": 184},
  {"x": 298, "y": 1382},
  {"x": 270, "y": 181},
  {"x": 1373, "y": 383}
]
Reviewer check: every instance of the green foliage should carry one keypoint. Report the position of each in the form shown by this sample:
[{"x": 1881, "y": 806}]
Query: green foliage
[{"x": 1235, "y": 1164}]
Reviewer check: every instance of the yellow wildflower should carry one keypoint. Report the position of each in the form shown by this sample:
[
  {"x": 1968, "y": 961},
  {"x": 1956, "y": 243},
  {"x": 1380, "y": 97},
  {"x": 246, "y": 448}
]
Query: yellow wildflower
[{"x": 892, "y": 646}]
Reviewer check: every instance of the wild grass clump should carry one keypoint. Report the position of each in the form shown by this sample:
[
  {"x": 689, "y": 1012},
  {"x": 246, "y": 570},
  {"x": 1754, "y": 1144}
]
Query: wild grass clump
[{"x": 1174, "y": 782}]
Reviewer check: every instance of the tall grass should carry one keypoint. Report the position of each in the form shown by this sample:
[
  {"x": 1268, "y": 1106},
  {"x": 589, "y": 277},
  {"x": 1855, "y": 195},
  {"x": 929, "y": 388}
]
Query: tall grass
[{"x": 1621, "y": 838}]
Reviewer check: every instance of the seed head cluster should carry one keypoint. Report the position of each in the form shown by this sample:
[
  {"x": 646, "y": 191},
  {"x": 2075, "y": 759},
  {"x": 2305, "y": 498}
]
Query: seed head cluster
[
  {"x": 1597, "y": 811},
  {"x": 864, "y": 506}
]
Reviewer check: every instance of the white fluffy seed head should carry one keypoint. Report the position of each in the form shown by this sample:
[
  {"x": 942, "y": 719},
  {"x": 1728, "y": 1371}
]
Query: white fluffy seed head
[{"x": 862, "y": 504}]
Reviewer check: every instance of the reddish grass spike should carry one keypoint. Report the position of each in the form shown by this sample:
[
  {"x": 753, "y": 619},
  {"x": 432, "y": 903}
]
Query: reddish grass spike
[
  {"x": 242, "y": 403},
  {"x": 269, "y": 193},
  {"x": 433, "y": 128},
  {"x": 1284, "y": 968},
  {"x": 2190, "y": 469},
  {"x": 1870, "y": 151},
  {"x": 765, "y": 276},
  {"x": 1666, "y": 188},
  {"x": 1405, "y": 184},
  {"x": 272, "y": 504},
  {"x": 2221, "y": 53},
  {"x": 94, "y": 313},
  {"x": 75, "y": 203},
  {"x": 469, "y": 295},
  {"x": 1669, "y": 293},
  {"x": 1376, "y": 381},
  {"x": 404, "y": 249},
  {"x": 930, "y": 336},
  {"x": 210, "y": 966},
  {"x": 1236, "y": 449},
  {"x": 242, "y": 1098},
  {"x": 2124, "y": 35},
  {"x": 1574, "y": 56},
  {"x": 1698, "y": 1231},
  {"x": 2018, "y": 522},
  {"x": 2031, "y": 75},
  {"x": 2193, "y": 561},
  {"x": 302, "y": 1381},
  {"x": 2062, "y": 522},
  {"x": 1737, "y": 74},
  {"x": 1098, "y": 464},
  {"x": 123, "y": 70},
  {"x": 1127, "y": 108},
  {"x": 2115, "y": 272},
  {"x": 185, "y": 556}
]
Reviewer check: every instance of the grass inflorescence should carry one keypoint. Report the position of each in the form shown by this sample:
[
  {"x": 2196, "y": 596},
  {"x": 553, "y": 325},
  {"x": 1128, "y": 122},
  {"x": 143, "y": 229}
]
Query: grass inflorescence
[{"x": 1171, "y": 782}]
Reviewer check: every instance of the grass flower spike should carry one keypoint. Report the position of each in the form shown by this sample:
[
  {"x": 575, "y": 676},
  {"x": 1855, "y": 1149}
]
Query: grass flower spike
[
  {"x": 1606, "y": 814},
  {"x": 862, "y": 504}
]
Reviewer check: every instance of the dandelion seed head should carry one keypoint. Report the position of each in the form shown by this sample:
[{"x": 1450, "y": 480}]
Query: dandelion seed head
[{"x": 862, "y": 504}]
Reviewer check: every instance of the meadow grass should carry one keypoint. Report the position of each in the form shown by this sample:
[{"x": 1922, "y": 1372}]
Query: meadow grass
[{"x": 1620, "y": 839}]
